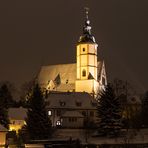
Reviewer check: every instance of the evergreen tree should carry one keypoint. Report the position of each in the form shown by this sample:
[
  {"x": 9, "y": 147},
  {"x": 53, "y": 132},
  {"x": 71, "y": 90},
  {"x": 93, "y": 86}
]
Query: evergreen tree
[
  {"x": 144, "y": 111},
  {"x": 109, "y": 112},
  {"x": 4, "y": 120},
  {"x": 6, "y": 99},
  {"x": 38, "y": 122},
  {"x": 26, "y": 92}
]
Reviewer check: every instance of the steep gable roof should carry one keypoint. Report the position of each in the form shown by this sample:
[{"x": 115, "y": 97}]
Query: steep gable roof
[
  {"x": 63, "y": 71},
  {"x": 64, "y": 74},
  {"x": 72, "y": 100}
]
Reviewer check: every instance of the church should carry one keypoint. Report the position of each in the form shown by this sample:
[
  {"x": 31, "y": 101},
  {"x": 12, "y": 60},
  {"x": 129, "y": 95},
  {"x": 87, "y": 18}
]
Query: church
[{"x": 86, "y": 75}]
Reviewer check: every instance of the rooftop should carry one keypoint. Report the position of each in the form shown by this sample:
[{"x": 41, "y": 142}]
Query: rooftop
[{"x": 17, "y": 113}]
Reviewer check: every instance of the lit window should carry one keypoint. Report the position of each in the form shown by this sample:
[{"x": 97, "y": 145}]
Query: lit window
[
  {"x": 49, "y": 112},
  {"x": 58, "y": 123},
  {"x": 84, "y": 73}
]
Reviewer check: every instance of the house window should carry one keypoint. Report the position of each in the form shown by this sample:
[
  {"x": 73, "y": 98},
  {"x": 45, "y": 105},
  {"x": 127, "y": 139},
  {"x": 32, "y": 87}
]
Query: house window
[
  {"x": 13, "y": 122},
  {"x": 83, "y": 113},
  {"x": 58, "y": 112},
  {"x": 47, "y": 103},
  {"x": 83, "y": 49},
  {"x": 91, "y": 113},
  {"x": 84, "y": 73},
  {"x": 69, "y": 119},
  {"x": 58, "y": 123},
  {"x": 94, "y": 104},
  {"x": 75, "y": 119},
  {"x": 78, "y": 103},
  {"x": 62, "y": 103},
  {"x": 49, "y": 113},
  {"x": 72, "y": 119}
]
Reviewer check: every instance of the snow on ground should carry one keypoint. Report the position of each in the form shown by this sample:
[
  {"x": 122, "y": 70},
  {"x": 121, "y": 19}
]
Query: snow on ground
[{"x": 130, "y": 136}]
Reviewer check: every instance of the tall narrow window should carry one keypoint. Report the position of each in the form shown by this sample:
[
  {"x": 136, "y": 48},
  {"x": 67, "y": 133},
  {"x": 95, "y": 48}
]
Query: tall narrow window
[
  {"x": 103, "y": 80},
  {"x": 49, "y": 113},
  {"x": 84, "y": 73}
]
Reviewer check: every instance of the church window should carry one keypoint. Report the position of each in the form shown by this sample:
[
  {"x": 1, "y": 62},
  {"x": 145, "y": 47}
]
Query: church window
[
  {"x": 84, "y": 73},
  {"x": 103, "y": 80},
  {"x": 67, "y": 81},
  {"x": 83, "y": 49}
]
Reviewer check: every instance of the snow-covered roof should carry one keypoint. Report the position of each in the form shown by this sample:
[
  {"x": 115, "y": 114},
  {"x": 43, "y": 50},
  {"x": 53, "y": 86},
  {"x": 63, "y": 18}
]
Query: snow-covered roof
[
  {"x": 72, "y": 114},
  {"x": 71, "y": 100},
  {"x": 3, "y": 129},
  {"x": 64, "y": 87},
  {"x": 17, "y": 113},
  {"x": 66, "y": 73}
]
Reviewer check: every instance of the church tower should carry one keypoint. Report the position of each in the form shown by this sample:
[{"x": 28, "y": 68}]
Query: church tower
[{"x": 87, "y": 65}]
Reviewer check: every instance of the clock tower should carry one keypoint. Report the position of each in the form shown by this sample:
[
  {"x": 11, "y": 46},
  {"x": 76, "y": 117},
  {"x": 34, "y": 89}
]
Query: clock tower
[{"x": 87, "y": 65}]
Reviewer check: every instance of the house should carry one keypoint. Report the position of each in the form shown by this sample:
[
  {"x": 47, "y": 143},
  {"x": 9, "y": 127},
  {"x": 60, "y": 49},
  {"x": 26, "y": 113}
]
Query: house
[
  {"x": 3, "y": 132},
  {"x": 17, "y": 118},
  {"x": 71, "y": 109}
]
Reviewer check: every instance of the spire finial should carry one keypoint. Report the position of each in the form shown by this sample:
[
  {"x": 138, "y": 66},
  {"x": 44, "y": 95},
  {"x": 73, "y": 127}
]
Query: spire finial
[
  {"x": 87, "y": 36},
  {"x": 86, "y": 12}
]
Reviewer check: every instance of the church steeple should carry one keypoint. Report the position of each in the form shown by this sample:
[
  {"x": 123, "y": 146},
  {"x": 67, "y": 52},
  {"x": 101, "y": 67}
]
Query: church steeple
[
  {"x": 87, "y": 67},
  {"x": 87, "y": 37}
]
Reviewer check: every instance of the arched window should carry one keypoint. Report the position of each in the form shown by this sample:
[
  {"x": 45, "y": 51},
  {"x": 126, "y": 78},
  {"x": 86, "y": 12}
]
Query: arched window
[{"x": 84, "y": 73}]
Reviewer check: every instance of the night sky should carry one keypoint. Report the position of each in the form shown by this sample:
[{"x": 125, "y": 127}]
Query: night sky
[{"x": 42, "y": 32}]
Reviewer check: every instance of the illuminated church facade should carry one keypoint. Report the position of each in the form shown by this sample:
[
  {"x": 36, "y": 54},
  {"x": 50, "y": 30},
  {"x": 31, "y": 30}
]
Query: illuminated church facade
[{"x": 86, "y": 75}]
